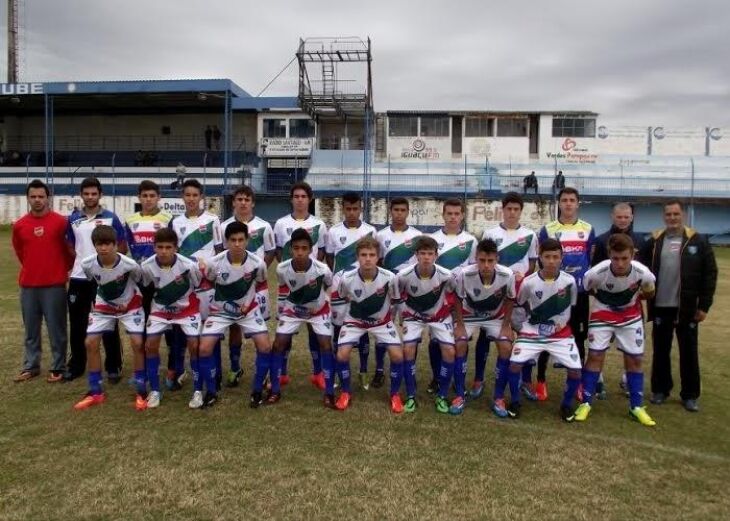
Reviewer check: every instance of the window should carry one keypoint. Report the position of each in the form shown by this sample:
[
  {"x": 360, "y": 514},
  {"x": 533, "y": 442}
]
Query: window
[
  {"x": 274, "y": 128},
  {"x": 301, "y": 128},
  {"x": 512, "y": 127},
  {"x": 479, "y": 127},
  {"x": 402, "y": 126},
  {"x": 574, "y": 127},
  {"x": 435, "y": 126}
]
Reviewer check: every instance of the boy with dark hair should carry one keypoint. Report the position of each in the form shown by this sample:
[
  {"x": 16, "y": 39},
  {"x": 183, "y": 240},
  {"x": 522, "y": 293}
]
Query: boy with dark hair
[
  {"x": 175, "y": 302},
  {"x": 117, "y": 300},
  {"x": 262, "y": 244},
  {"x": 426, "y": 291},
  {"x": 235, "y": 273},
  {"x": 548, "y": 296},
  {"x": 341, "y": 243},
  {"x": 303, "y": 299},
  {"x": 370, "y": 293}
]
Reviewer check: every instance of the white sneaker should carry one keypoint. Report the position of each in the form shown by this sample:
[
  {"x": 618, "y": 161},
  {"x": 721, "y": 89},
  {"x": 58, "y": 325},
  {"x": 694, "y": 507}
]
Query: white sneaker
[
  {"x": 153, "y": 399},
  {"x": 197, "y": 401}
]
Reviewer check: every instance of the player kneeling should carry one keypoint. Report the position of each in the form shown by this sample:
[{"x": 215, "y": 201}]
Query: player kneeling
[
  {"x": 548, "y": 296},
  {"x": 617, "y": 285},
  {"x": 303, "y": 299},
  {"x": 117, "y": 299},
  {"x": 486, "y": 293},
  {"x": 174, "y": 279},
  {"x": 235, "y": 274},
  {"x": 426, "y": 291},
  {"x": 370, "y": 292}
]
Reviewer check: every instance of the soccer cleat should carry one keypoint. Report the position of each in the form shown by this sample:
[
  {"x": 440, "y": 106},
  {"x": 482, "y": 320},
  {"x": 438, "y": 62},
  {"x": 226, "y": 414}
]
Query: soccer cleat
[
  {"x": 457, "y": 406},
  {"x": 582, "y": 412},
  {"x": 343, "y": 401},
  {"x": 442, "y": 405},
  {"x": 500, "y": 409},
  {"x": 90, "y": 400},
  {"x": 234, "y": 378},
  {"x": 317, "y": 380},
  {"x": 114, "y": 378},
  {"x": 476, "y": 391},
  {"x": 378, "y": 380},
  {"x": 528, "y": 391},
  {"x": 396, "y": 404},
  {"x": 566, "y": 413},
  {"x": 256, "y": 400},
  {"x": 209, "y": 400},
  {"x": 172, "y": 382},
  {"x": 197, "y": 400},
  {"x": 541, "y": 391},
  {"x": 140, "y": 402},
  {"x": 411, "y": 404},
  {"x": 691, "y": 405},
  {"x": 363, "y": 380},
  {"x": 284, "y": 379},
  {"x": 658, "y": 398},
  {"x": 514, "y": 410},
  {"x": 153, "y": 399},
  {"x": 640, "y": 415},
  {"x": 601, "y": 393},
  {"x": 433, "y": 387},
  {"x": 272, "y": 398},
  {"x": 329, "y": 401}
]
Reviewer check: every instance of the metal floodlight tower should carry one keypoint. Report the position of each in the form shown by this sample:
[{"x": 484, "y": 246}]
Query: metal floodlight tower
[
  {"x": 13, "y": 47},
  {"x": 335, "y": 84}
]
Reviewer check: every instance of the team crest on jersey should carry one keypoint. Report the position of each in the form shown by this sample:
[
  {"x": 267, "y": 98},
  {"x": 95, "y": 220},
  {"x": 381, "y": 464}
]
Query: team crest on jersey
[
  {"x": 97, "y": 277},
  {"x": 254, "y": 234},
  {"x": 358, "y": 292},
  {"x": 343, "y": 239},
  {"x": 387, "y": 243},
  {"x": 135, "y": 226},
  {"x": 407, "y": 243},
  {"x": 609, "y": 285},
  {"x": 692, "y": 249},
  {"x": 574, "y": 357},
  {"x": 182, "y": 230},
  {"x": 538, "y": 294},
  {"x": 38, "y": 231},
  {"x": 414, "y": 288},
  {"x": 561, "y": 292},
  {"x": 441, "y": 245},
  {"x": 247, "y": 276},
  {"x": 591, "y": 337},
  {"x": 202, "y": 228},
  {"x": 581, "y": 235},
  {"x": 639, "y": 342},
  {"x": 392, "y": 333},
  {"x": 288, "y": 231},
  {"x": 225, "y": 276},
  {"x": 498, "y": 242},
  {"x": 292, "y": 282},
  {"x": 520, "y": 241},
  {"x": 477, "y": 291},
  {"x": 137, "y": 321},
  {"x": 259, "y": 321},
  {"x": 557, "y": 235},
  {"x": 462, "y": 245}
]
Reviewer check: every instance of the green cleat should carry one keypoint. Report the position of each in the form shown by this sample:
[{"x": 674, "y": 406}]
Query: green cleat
[
  {"x": 410, "y": 405},
  {"x": 442, "y": 405},
  {"x": 582, "y": 412},
  {"x": 364, "y": 381},
  {"x": 234, "y": 378},
  {"x": 640, "y": 415}
]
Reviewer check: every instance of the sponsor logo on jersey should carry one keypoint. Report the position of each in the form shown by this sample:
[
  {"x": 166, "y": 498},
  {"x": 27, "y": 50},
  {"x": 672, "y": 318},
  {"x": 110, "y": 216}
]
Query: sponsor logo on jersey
[{"x": 573, "y": 248}]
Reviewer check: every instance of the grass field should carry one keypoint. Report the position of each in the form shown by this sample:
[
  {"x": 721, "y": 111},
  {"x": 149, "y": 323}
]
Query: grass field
[{"x": 299, "y": 461}]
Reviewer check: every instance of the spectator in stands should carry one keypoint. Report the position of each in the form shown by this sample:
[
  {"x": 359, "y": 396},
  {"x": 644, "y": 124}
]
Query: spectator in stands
[
  {"x": 686, "y": 275},
  {"x": 39, "y": 241},
  {"x": 558, "y": 182},
  {"x": 139, "y": 158},
  {"x": 208, "y": 137},
  {"x": 529, "y": 183},
  {"x": 622, "y": 218},
  {"x": 217, "y": 137}
]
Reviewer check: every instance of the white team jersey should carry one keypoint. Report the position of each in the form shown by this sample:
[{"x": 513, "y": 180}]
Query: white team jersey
[
  {"x": 287, "y": 224},
  {"x": 197, "y": 237},
  {"x": 396, "y": 247},
  {"x": 548, "y": 305},
  {"x": 341, "y": 242},
  {"x": 174, "y": 286},
  {"x": 516, "y": 247},
  {"x": 484, "y": 299},
  {"x": 303, "y": 294},
  {"x": 235, "y": 285},
  {"x": 369, "y": 301},
  {"x": 617, "y": 298},
  {"x": 260, "y": 236},
  {"x": 116, "y": 287},
  {"x": 455, "y": 250},
  {"x": 427, "y": 298}
]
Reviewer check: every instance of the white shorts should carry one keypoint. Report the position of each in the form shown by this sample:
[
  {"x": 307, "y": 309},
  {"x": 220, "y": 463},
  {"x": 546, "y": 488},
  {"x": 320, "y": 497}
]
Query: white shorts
[
  {"x": 321, "y": 324},
  {"x": 385, "y": 334},
  {"x": 190, "y": 325},
  {"x": 251, "y": 324},
  {"x": 519, "y": 315},
  {"x": 205, "y": 297},
  {"x": 562, "y": 350},
  {"x": 133, "y": 322},
  {"x": 262, "y": 297},
  {"x": 442, "y": 332},
  {"x": 629, "y": 338},
  {"x": 339, "y": 310},
  {"x": 492, "y": 328}
]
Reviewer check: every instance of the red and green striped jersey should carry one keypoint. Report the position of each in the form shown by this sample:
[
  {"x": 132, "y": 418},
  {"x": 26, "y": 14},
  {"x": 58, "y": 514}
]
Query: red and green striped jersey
[
  {"x": 303, "y": 294},
  {"x": 396, "y": 247},
  {"x": 116, "y": 287},
  {"x": 455, "y": 250},
  {"x": 341, "y": 242},
  {"x": 616, "y": 300},
  {"x": 369, "y": 302},
  {"x": 484, "y": 299},
  {"x": 284, "y": 227},
  {"x": 548, "y": 303},
  {"x": 174, "y": 286}
]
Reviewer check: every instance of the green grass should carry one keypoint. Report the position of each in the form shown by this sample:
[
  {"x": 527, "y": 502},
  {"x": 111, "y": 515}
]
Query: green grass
[{"x": 298, "y": 460}]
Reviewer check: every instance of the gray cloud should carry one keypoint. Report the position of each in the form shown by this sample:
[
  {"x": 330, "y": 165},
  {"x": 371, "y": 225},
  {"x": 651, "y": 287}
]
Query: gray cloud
[{"x": 634, "y": 61}]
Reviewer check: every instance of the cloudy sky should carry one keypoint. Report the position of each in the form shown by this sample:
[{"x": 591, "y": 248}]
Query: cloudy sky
[{"x": 639, "y": 61}]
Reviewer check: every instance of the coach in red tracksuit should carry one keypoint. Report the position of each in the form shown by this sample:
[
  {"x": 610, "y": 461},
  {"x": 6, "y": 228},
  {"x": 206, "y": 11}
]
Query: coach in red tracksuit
[{"x": 39, "y": 241}]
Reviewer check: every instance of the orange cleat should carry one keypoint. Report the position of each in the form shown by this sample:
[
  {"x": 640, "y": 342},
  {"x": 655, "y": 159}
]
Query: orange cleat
[
  {"x": 90, "y": 400},
  {"x": 284, "y": 379},
  {"x": 140, "y": 403},
  {"x": 396, "y": 404},
  {"x": 541, "y": 391},
  {"x": 343, "y": 401},
  {"x": 317, "y": 380}
]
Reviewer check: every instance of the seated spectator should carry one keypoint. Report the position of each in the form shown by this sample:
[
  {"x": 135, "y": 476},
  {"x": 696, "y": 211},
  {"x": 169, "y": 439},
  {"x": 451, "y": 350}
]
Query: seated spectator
[{"x": 530, "y": 183}]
